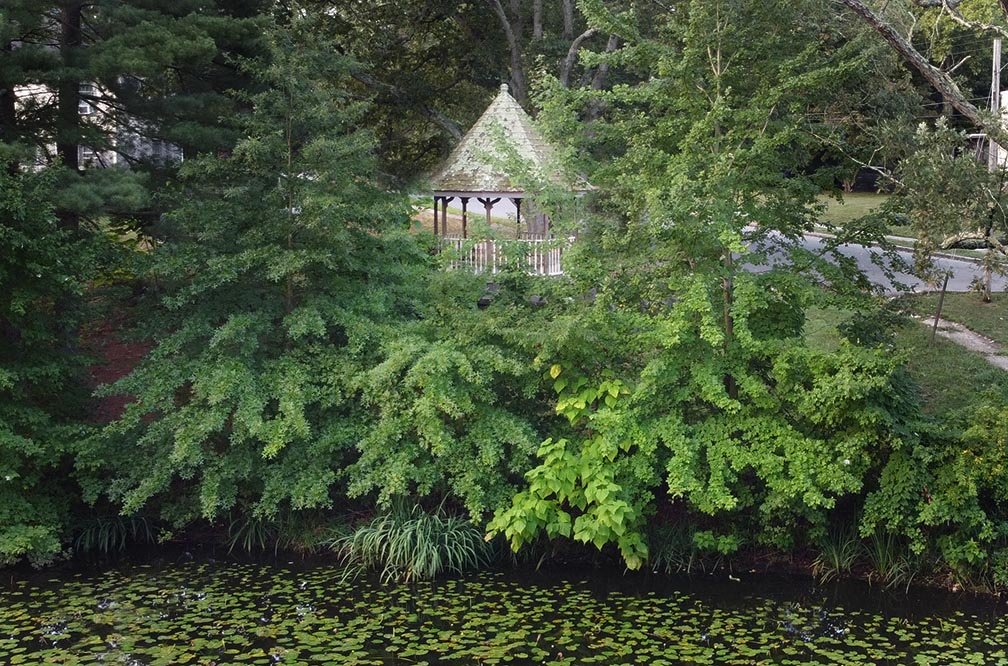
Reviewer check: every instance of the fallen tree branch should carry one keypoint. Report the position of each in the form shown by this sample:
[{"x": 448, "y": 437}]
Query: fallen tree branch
[{"x": 939, "y": 80}]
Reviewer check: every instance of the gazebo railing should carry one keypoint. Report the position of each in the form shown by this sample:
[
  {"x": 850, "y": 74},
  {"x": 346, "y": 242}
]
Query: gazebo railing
[{"x": 539, "y": 256}]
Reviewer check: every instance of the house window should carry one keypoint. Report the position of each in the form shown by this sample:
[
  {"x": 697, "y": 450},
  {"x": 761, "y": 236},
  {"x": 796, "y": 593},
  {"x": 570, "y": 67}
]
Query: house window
[{"x": 83, "y": 107}]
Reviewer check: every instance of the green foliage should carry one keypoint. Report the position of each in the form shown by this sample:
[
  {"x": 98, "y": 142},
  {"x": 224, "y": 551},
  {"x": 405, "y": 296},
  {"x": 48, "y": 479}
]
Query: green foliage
[
  {"x": 42, "y": 273},
  {"x": 451, "y": 406},
  {"x": 581, "y": 490},
  {"x": 409, "y": 545},
  {"x": 948, "y": 489},
  {"x": 951, "y": 197},
  {"x": 106, "y": 534},
  {"x": 306, "y": 349},
  {"x": 283, "y": 264},
  {"x": 706, "y": 161}
]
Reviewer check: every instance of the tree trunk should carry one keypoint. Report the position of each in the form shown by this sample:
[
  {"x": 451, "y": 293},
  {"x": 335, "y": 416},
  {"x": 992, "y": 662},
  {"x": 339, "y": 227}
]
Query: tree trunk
[
  {"x": 602, "y": 73},
  {"x": 519, "y": 88},
  {"x": 8, "y": 112},
  {"x": 68, "y": 97},
  {"x": 572, "y": 53},
  {"x": 599, "y": 79},
  {"x": 568, "y": 19},
  {"x": 537, "y": 19}
]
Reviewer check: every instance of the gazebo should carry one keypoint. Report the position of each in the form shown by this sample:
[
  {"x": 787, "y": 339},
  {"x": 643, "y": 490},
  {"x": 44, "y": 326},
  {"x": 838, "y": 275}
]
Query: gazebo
[{"x": 473, "y": 170}]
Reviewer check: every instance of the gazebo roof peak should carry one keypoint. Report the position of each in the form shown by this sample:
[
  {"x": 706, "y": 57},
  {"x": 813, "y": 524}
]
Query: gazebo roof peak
[{"x": 475, "y": 165}]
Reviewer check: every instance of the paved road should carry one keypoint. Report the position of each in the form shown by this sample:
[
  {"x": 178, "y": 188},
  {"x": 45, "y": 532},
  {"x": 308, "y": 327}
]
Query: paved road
[{"x": 962, "y": 272}]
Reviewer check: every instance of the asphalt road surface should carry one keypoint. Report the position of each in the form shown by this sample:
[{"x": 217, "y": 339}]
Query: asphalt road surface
[{"x": 961, "y": 271}]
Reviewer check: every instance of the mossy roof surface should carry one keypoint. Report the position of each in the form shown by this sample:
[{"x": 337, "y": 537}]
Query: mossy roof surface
[{"x": 503, "y": 132}]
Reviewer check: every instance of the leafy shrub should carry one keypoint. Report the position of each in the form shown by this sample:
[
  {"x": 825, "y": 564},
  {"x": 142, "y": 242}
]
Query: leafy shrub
[{"x": 407, "y": 545}]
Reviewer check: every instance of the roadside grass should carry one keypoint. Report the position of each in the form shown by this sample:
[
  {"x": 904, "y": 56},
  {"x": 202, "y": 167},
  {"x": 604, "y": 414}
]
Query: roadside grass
[
  {"x": 948, "y": 376},
  {"x": 859, "y": 204},
  {"x": 855, "y": 205},
  {"x": 989, "y": 319}
]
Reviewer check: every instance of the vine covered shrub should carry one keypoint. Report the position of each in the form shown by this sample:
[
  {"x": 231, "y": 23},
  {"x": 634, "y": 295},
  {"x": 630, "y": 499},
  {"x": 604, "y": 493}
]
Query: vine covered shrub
[{"x": 947, "y": 489}]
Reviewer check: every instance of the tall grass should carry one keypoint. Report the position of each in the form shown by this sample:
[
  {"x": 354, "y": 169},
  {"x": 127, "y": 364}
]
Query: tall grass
[
  {"x": 890, "y": 560},
  {"x": 673, "y": 550},
  {"x": 249, "y": 533},
  {"x": 407, "y": 545},
  {"x": 106, "y": 534},
  {"x": 838, "y": 551}
]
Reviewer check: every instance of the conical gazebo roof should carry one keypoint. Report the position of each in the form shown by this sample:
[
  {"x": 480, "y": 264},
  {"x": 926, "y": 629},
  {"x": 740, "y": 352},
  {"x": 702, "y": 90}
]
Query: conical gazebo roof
[{"x": 474, "y": 166}]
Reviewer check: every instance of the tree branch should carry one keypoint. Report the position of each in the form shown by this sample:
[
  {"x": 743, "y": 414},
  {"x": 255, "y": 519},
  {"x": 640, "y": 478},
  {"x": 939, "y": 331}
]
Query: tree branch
[
  {"x": 572, "y": 54},
  {"x": 938, "y": 79},
  {"x": 432, "y": 114},
  {"x": 952, "y": 9}
]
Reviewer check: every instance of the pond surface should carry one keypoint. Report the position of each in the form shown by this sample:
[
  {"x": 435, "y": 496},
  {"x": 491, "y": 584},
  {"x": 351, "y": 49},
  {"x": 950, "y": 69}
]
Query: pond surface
[{"x": 217, "y": 613}]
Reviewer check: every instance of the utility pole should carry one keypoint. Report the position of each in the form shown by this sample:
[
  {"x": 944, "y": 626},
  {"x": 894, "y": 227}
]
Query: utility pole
[
  {"x": 994, "y": 149},
  {"x": 994, "y": 159}
]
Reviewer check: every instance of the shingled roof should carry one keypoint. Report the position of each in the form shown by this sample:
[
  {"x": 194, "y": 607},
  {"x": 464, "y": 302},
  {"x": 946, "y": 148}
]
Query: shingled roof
[{"x": 474, "y": 166}]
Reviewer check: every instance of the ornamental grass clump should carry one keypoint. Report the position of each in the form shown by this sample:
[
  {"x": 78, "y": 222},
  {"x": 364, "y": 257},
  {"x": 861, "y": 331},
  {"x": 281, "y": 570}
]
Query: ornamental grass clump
[
  {"x": 407, "y": 545},
  {"x": 838, "y": 552}
]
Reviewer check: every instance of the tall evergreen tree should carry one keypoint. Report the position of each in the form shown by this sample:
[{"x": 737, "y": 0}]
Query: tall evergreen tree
[
  {"x": 282, "y": 256},
  {"x": 42, "y": 394}
]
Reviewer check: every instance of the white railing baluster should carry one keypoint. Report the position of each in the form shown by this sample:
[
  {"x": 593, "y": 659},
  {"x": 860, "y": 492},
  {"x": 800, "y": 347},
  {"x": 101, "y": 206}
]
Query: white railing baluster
[{"x": 540, "y": 256}]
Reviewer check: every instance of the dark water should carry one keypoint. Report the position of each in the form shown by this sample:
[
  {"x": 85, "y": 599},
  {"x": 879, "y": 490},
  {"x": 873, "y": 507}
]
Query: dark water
[{"x": 231, "y": 613}]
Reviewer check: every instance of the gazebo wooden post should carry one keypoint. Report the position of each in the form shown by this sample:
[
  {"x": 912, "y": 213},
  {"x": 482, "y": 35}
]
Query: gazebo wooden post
[
  {"x": 465, "y": 202},
  {"x": 488, "y": 204},
  {"x": 517, "y": 202},
  {"x": 435, "y": 215},
  {"x": 444, "y": 216}
]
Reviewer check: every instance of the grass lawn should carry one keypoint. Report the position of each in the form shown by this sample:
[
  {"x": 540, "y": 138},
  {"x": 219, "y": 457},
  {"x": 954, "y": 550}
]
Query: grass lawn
[
  {"x": 989, "y": 319},
  {"x": 949, "y": 377},
  {"x": 476, "y": 222},
  {"x": 855, "y": 205}
]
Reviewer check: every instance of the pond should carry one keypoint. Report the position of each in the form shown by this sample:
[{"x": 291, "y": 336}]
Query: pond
[{"x": 233, "y": 613}]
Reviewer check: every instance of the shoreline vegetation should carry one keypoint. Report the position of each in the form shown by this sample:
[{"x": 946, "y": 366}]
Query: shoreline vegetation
[
  {"x": 250, "y": 340},
  {"x": 410, "y": 543}
]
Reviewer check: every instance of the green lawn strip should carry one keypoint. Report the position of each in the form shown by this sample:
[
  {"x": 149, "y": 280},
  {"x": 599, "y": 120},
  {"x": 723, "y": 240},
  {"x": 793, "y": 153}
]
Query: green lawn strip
[
  {"x": 859, "y": 204},
  {"x": 853, "y": 206},
  {"x": 988, "y": 319},
  {"x": 950, "y": 377}
]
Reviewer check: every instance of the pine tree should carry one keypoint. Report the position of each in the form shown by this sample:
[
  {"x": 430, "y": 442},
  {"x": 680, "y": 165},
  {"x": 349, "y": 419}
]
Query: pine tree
[{"x": 284, "y": 259}]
